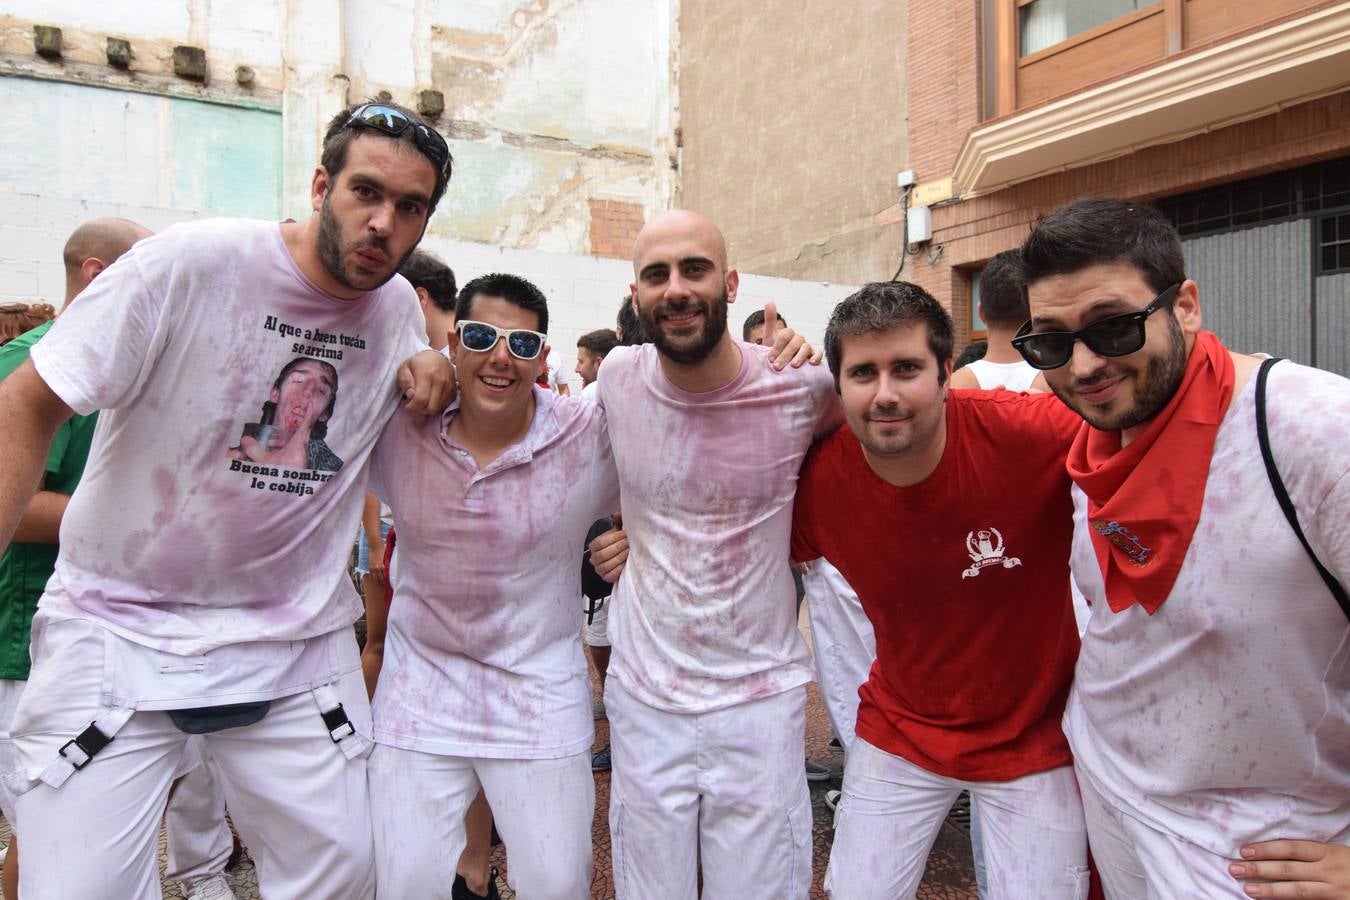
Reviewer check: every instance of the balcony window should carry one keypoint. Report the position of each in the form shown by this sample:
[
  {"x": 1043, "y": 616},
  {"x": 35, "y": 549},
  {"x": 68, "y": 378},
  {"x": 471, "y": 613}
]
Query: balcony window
[{"x": 1044, "y": 23}]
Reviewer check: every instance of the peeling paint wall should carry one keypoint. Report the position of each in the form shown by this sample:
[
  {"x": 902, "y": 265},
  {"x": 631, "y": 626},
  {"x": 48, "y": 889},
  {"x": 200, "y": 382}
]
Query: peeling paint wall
[
  {"x": 549, "y": 104},
  {"x": 553, "y": 109},
  {"x": 793, "y": 117},
  {"x": 77, "y": 142}
]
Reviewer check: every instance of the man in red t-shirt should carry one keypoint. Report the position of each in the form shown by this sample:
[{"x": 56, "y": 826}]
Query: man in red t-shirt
[{"x": 950, "y": 515}]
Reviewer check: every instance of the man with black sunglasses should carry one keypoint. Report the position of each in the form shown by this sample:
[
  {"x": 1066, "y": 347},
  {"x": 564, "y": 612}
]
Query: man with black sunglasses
[
  {"x": 196, "y": 593},
  {"x": 1208, "y": 714}
]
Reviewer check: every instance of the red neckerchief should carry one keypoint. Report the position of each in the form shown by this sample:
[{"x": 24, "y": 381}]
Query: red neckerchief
[{"x": 1144, "y": 500}]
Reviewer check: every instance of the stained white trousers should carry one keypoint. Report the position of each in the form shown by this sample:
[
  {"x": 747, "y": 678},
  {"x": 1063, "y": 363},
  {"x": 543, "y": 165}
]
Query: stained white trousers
[
  {"x": 890, "y": 812},
  {"x": 543, "y": 810},
  {"x": 725, "y": 787},
  {"x": 297, "y": 796}
]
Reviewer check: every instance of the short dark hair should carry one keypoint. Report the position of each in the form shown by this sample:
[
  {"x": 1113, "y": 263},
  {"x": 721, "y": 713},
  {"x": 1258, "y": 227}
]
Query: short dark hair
[
  {"x": 881, "y": 306},
  {"x": 1094, "y": 231},
  {"x": 599, "y": 342},
  {"x": 431, "y": 275},
  {"x": 629, "y": 324},
  {"x": 756, "y": 319},
  {"x": 974, "y": 352},
  {"x": 342, "y": 131},
  {"x": 1003, "y": 293},
  {"x": 511, "y": 288}
]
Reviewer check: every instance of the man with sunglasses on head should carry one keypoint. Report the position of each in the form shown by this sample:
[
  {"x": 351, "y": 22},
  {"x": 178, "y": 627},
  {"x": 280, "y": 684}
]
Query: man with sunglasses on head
[
  {"x": 949, "y": 513},
  {"x": 199, "y": 594},
  {"x": 484, "y": 682},
  {"x": 1208, "y": 715}
]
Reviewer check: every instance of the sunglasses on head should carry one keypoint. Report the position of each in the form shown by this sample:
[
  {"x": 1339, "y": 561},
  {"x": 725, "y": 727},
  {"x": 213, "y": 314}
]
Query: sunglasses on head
[
  {"x": 387, "y": 120},
  {"x": 482, "y": 337},
  {"x": 1113, "y": 336}
]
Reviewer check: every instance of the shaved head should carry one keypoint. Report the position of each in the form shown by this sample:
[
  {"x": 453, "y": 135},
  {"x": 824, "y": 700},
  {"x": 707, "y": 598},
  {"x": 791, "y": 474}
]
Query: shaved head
[
  {"x": 681, "y": 290},
  {"x": 684, "y": 224},
  {"x": 94, "y": 246}
]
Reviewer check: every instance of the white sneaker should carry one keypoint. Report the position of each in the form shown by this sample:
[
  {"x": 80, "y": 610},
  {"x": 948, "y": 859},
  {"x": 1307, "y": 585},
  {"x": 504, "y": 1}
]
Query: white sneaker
[{"x": 212, "y": 887}]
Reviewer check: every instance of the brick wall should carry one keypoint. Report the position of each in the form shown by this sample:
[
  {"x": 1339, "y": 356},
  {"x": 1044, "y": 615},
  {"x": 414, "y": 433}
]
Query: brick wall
[
  {"x": 944, "y": 76},
  {"x": 614, "y": 228}
]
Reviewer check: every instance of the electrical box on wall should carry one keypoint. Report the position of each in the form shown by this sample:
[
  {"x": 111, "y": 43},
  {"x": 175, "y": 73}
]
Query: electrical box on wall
[{"x": 920, "y": 226}]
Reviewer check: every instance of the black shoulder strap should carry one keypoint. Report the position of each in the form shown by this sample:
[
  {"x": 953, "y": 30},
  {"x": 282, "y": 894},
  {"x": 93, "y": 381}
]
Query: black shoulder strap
[{"x": 1282, "y": 495}]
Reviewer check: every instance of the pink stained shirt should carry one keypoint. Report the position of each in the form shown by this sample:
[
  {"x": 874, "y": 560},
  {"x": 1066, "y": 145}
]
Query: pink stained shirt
[
  {"x": 483, "y": 654},
  {"x": 704, "y": 615},
  {"x": 220, "y": 568},
  {"x": 1224, "y": 717}
]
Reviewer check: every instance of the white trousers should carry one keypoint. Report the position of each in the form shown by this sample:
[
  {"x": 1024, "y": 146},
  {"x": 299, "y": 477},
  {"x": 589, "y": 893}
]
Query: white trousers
[
  {"x": 843, "y": 642},
  {"x": 10, "y": 692},
  {"x": 199, "y": 840},
  {"x": 891, "y": 811},
  {"x": 543, "y": 809},
  {"x": 1136, "y": 861},
  {"x": 725, "y": 787},
  {"x": 300, "y": 802}
]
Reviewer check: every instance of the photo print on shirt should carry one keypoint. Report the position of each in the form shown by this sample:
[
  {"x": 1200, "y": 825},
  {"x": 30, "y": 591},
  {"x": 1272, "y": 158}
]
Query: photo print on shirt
[{"x": 288, "y": 439}]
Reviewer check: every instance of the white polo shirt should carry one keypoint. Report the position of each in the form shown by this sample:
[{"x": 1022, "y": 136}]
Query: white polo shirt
[{"x": 483, "y": 654}]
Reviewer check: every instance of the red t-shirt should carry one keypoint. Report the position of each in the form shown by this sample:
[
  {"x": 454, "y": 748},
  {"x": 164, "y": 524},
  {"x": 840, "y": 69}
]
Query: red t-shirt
[{"x": 965, "y": 577}]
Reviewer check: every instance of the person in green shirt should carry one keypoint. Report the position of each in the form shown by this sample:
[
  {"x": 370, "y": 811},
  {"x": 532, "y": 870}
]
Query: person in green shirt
[{"x": 28, "y": 561}]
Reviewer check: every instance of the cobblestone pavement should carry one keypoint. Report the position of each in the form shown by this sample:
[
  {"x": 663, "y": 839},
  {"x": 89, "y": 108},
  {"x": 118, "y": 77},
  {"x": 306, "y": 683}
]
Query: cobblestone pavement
[{"x": 949, "y": 875}]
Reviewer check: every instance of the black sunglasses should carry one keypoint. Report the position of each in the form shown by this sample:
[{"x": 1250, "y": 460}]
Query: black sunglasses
[
  {"x": 1113, "y": 336},
  {"x": 482, "y": 337},
  {"x": 390, "y": 121}
]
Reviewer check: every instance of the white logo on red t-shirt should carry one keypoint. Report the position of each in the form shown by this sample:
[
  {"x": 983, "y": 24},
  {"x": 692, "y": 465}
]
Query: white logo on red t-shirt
[{"x": 986, "y": 549}]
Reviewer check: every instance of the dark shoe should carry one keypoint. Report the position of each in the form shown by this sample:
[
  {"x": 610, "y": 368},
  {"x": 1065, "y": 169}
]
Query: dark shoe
[
  {"x": 460, "y": 889},
  {"x": 236, "y": 854},
  {"x": 835, "y": 745},
  {"x": 600, "y": 761},
  {"x": 816, "y": 772}
]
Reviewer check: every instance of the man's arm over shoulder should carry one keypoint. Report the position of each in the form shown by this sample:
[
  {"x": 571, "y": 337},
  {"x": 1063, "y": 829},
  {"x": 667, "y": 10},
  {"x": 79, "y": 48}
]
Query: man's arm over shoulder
[
  {"x": 807, "y": 507},
  {"x": 1039, "y": 419},
  {"x": 32, "y": 413}
]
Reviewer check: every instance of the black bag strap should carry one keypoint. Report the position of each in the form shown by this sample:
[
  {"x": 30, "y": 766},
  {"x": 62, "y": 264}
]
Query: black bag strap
[{"x": 1277, "y": 483}]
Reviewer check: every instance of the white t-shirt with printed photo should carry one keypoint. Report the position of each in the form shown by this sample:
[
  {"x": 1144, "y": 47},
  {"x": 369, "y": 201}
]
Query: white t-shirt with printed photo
[
  {"x": 705, "y": 613},
  {"x": 228, "y": 470}
]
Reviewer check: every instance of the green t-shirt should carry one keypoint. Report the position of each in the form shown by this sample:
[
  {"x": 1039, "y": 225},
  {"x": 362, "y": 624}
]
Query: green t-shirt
[{"x": 25, "y": 568}]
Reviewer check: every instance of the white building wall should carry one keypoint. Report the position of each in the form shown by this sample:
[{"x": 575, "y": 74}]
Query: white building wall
[{"x": 549, "y": 104}]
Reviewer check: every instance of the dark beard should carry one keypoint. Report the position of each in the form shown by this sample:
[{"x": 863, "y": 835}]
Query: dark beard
[
  {"x": 715, "y": 326},
  {"x": 328, "y": 242},
  {"x": 1161, "y": 379}
]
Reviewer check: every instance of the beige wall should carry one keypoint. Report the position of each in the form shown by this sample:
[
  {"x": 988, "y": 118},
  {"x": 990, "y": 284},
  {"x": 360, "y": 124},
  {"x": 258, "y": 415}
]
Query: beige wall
[{"x": 793, "y": 123}]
